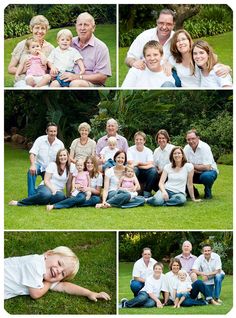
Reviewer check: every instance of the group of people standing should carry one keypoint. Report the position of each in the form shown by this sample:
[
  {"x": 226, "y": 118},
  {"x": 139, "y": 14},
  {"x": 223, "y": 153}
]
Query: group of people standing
[
  {"x": 180, "y": 286},
  {"x": 131, "y": 177}
]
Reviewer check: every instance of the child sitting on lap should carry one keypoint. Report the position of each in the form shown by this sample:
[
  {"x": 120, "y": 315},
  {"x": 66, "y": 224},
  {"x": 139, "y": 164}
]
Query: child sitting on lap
[
  {"x": 81, "y": 180},
  {"x": 182, "y": 288},
  {"x": 129, "y": 181},
  {"x": 35, "y": 274},
  {"x": 107, "y": 153}
]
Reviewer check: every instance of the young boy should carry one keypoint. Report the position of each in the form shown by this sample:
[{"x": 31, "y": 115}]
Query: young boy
[
  {"x": 182, "y": 288},
  {"x": 35, "y": 274},
  {"x": 107, "y": 153},
  {"x": 63, "y": 58}
]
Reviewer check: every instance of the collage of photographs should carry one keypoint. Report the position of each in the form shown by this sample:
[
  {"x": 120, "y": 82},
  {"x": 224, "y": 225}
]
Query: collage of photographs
[{"x": 118, "y": 159}]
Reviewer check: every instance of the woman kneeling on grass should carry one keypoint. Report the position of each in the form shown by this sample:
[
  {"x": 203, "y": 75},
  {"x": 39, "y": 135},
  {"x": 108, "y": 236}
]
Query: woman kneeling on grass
[
  {"x": 178, "y": 173},
  {"x": 112, "y": 195},
  {"x": 96, "y": 179},
  {"x": 50, "y": 190}
]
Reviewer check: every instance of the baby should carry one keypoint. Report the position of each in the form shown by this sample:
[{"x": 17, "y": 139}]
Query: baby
[
  {"x": 36, "y": 72},
  {"x": 35, "y": 274},
  {"x": 107, "y": 153},
  {"x": 129, "y": 181},
  {"x": 63, "y": 58},
  {"x": 80, "y": 180},
  {"x": 182, "y": 288}
]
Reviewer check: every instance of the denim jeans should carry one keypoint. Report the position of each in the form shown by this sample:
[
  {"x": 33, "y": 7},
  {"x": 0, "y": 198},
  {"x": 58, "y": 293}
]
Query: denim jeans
[
  {"x": 186, "y": 295},
  {"x": 215, "y": 289},
  {"x": 42, "y": 196},
  {"x": 174, "y": 199},
  {"x": 141, "y": 300},
  {"x": 108, "y": 164},
  {"x": 79, "y": 200},
  {"x": 207, "y": 178},
  {"x": 31, "y": 180},
  {"x": 147, "y": 176},
  {"x": 136, "y": 286},
  {"x": 121, "y": 199},
  {"x": 197, "y": 287},
  {"x": 168, "y": 84}
]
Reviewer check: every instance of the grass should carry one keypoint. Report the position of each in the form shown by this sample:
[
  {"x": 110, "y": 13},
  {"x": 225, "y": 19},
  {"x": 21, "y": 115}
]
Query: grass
[
  {"x": 105, "y": 32},
  {"x": 125, "y": 270},
  {"x": 97, "y": 255},
  {"x": 222, "y": 45},
  {"x": 211, "y": 214}
]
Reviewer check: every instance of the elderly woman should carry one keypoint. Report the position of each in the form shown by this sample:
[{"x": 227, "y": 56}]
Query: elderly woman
[
  {"x": 50, "y": 190},
  {"x": 39, "y": 26},
  {"x": 84, "y": 146}
]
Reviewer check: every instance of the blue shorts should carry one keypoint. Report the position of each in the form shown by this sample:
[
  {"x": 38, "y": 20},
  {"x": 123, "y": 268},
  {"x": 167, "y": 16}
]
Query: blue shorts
[{"x": 62, "y": 82}]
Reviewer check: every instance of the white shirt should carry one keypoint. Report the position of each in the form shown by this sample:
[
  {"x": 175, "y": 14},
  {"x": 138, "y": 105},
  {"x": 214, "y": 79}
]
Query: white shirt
[
  {"x": 187, "y": 78},
  {"x": 161, "y": 157},
  {"x": 64, "y": 60},
  {"x": 214, "y": 81},
  {"x": 21, "y": 273},
  {"x": 201, "y": 156},
  {"x": 114, "y": 181},
  {"x": 155, "y": 286},
  {"x": 145, "y": 155},
  {"x": 177, "y": 181},
  {"x": 182, "y": 286},
  {"x": 202, "y": 265},
  {"x": 96, "y": 181},
  {"x": 56, "y": 180},
  {"x": 44, "y": 151},
  {"x": 146, "y": 79},
  {"x": 108, "y": 153},
  {"x": 141, "y": 270},
  {"x": 136, "y": 48},
  {"x": 172, "y": 281}
]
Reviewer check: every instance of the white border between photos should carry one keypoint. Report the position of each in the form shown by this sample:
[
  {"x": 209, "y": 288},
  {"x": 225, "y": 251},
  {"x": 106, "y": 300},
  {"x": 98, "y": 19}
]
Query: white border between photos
[{"x": 3, "y": 4}]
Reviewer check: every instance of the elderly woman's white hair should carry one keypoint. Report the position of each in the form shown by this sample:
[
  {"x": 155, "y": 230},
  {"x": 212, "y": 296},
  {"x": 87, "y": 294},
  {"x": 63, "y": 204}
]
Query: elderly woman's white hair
[
  {"x": 39, "y": 20},
  {"x": 85, "y": 126}
]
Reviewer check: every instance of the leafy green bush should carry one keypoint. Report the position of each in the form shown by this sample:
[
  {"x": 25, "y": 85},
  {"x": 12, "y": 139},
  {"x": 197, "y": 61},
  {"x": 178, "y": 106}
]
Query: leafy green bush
[
  {"x": 226, "y": 159},
  {"x": 128, "y": 37},
  {"x": 61, "y": 15},
  {"x": 205, "y": 27}
]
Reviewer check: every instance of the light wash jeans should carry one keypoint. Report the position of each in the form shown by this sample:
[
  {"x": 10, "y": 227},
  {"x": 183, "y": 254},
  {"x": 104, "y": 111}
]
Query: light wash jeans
[
  {"x": 215, "y": 289},
  {"x": 122, "y": 199},
  {"x": 141, "y": 300},
  {"x": 136, "y": 286},
  {"x": 174, "y": 199}
]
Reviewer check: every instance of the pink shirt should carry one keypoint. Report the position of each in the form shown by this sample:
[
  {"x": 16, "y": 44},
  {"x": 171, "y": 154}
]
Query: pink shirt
[
  {"x": 36, "y": 68},
  {"x": 81, "y": 178},
  {"x": 95, "y": 55}
]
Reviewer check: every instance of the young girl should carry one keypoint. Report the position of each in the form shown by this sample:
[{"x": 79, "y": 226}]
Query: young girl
[
  {"x": 129, "y": 182},
  {"x": 206, "y": 60},
  {"x": 182, "y": 288},
  {"x": 80, "y": 180},
  {"x": 63, "y": 58},
  {"x": 36, "y": 74}
]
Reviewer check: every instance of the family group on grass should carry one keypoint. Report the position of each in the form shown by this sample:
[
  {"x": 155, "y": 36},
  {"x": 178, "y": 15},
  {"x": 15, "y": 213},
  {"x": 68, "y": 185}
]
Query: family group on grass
[
  {"x": 131, "y": 174},
  {"x": 81, "y": 61},
  {"x": 180, "y": 286},
  {"x": 35, "y": 274},
  {"x": 160, "y": 57}
]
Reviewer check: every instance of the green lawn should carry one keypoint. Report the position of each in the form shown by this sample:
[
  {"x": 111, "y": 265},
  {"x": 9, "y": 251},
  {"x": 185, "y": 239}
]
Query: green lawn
[
  {"x": 211, "y": 214},
  {"x": 125, "y": 272},
  {"x": 97, "y": 255},
  {"x": 222, "y": 45},
  {"x": 105, "y": 32}
]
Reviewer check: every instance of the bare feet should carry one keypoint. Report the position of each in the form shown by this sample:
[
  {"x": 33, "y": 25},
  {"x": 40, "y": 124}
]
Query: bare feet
[
  {"x": 49, "y": 207},
  {"x": 215, "y": 303},
  {"x": 107, "y": 205},
  {"x": 12, "y": 202},
  {"x": 99, "y": 205}
]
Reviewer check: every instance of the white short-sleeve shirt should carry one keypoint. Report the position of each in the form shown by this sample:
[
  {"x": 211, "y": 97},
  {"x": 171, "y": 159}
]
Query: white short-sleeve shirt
[
  {"x": 44, "y": 151},
  {"x": 177, "y": 180},
  {"x": 114, "y": 181},
  {"x": 214, "y": 81},
  {"x": 96, "y": 181},
  {"x": 56, "y": 180},
  {"x": 141, "y": 270},
  {"x": 214, "y": 263},
  {"x": 201, "y": 156},
  {"x": 108, "y": 153},
  {"x": 182, "y": 286},
  {"x": 155, "y": 286},
  {"x": 21, "y": 273},
  {"x": 161, "y": 157},
  {"x": 64, "y": 60},
  {"x": 144, "y": 156}
]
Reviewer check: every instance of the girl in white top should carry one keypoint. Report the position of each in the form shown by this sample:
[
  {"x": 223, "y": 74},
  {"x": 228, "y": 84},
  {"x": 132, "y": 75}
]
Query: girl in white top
[
  {"x": 182, "y": 288},
  {"x": 178, "y": 173},
  {"x": 58, "y": 174},
  {"x": 153, "y": 75},
  {"x": 206, "y": 60}
]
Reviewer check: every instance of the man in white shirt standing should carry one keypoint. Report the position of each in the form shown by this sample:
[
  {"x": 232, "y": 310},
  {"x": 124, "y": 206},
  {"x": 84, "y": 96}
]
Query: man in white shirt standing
[
  {"x": 200, "y": 155},
  {"x": 161, "y": 33},
  {"x": 209, "y": 266},
  {"x": 43, "y": 152}
]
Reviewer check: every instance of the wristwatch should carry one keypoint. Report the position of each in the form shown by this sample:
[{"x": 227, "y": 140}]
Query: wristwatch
[{"x": 81, "y": 77}]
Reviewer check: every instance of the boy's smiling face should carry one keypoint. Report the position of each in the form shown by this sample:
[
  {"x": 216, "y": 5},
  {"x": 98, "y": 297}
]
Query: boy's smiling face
[{"x": 57, "y": 266}]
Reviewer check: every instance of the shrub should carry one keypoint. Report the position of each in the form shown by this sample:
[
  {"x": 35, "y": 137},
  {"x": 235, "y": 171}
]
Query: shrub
[
  {"x": 128, "y": 37},
  {"x": 226, "y": 159},
  {"x": 61, "y": 15}
]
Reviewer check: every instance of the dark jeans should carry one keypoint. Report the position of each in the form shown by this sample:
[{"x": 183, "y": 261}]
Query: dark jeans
[
  {"x": 79, "y": 200},
  {"x": 136, "y": 286},
  {"x": 31, "y": 180},
  {"x": 121, "y": 199},
  {"x": 197, "y": 287},
  {"x": 207, "y": 178},
  {"x": 148, "y": 177},
  {"x": 141, "y": 300}
]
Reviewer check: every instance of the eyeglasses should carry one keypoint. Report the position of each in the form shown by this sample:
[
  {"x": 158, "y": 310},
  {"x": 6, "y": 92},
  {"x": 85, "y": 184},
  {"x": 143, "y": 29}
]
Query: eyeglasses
[{"x": 168, "y": 25}]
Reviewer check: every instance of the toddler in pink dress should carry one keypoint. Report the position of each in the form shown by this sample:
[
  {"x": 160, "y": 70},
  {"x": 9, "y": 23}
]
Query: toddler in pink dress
[
  {"x": 80, "y": 180},
  {"x": 129, "y": 181}
]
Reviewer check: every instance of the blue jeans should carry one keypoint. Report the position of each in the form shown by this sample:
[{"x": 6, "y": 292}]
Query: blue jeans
[
  {"x": 78, "y": 200},
  {"x": 108, "y": 164},
  {"x": 31, "y": 179},
  {"x": 121, "y": 199},
  {"x": 42, "y": 196},
  {"x": 141, "y": 300},
  {"x": 168, "y": 84},
  {"x": 147, "y": 176},
  {"x": 174, "y": 199},
  {"x": 207, "y": 178},
  {"x": 186, "y": 295},
  {"x": 63, "y": 83},
  {"x": 197, "y": 287},
  {"x": 136, "y": 286},
  {"x": 215, "y": 289}
]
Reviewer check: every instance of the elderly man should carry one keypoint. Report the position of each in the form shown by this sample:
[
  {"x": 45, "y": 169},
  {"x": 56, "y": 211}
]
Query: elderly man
[
  {"x": 94, "y": 52},
  {"x": 187, "y": 259},
  {"x": 162, "y": 33},
  {"x": 200, "y": 155},
  {"x": 112, "y": 128},
  {"x": 43, "y": 152},
  {"x": 208, "y": 265}
]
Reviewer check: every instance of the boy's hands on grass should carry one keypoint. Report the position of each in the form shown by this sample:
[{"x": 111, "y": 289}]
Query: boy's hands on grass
[{"x": 95, "y": 296}]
